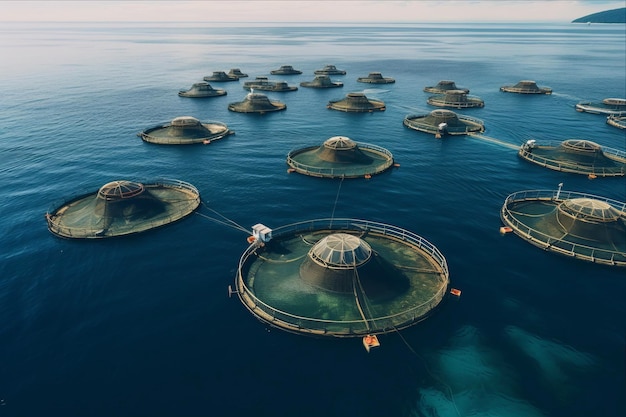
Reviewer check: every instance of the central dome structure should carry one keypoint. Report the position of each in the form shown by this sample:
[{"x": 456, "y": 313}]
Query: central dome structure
[
  {"x": 442, "y": 122},
  {"x": 576, "y": 156},
  {"x": 356, "y": 103},
  {"x": 340, "y": 156},
  {"x": 185, "y": 130},
  {"x": 341, "y": 278},
  {"x": 583, "y": 226},
  {"x": 123, "y": 207},
  {"x": 340, "y": 251}
]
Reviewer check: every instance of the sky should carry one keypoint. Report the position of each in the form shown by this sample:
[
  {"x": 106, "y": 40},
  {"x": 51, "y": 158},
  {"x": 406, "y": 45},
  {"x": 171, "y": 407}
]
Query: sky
[{"x": 294, "y": 11}]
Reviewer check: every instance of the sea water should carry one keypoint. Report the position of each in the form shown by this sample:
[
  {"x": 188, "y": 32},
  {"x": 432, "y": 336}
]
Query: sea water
[{"x": 144, "y": 326}]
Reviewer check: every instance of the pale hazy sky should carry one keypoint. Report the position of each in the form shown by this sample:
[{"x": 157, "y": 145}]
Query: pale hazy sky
[{"x": 306, "y": 11}]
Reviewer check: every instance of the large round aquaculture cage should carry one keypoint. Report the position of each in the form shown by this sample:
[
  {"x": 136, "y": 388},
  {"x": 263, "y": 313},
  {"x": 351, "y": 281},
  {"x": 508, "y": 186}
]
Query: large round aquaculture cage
[
  {"x": 329, "y": 70},
  {"x": 457, "y": 99},
  {"x": 376, "y": 78},
  {"x": 443, "y": 86},
  {"x": 526, "y": 87},
  {"x": 236, "y": 72},
  {"x": 321, "y": 81},
  {"x": 616, "y": 121},
  {"x": 341, "y": 277},
  {"x": 340, "y": 157},
  {"x": 221, "y": 76},
  {"x": 356, "y": 103},
  {"x": 579, "y": 225},
  {"x": 256, "y": 103},
  {"x": 122, "y": 207},
  {"x": 285, "y": 70},
  {"x": 444, "y": 122},
  {"x": 202, "y": 90},
  {"x": 576, "y": 156},
  {"x": 610, "y": 106},
  {"x": 185, "y": 130}
]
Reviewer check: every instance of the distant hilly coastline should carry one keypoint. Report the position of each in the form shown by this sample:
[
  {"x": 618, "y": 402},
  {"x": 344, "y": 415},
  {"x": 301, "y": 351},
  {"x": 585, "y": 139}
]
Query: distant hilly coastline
[{"x": 607, "y": 16}]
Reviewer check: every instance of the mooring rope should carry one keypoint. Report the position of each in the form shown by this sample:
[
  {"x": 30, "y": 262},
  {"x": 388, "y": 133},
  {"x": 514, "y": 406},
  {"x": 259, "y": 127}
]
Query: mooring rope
[
  {"x": 356, "y": 297},
  {"x": 228, "y": 222},
  {"x": 332, "y": 216}
]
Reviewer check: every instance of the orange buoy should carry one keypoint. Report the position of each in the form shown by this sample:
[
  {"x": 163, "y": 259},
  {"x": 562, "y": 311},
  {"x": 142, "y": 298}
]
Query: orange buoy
[
  {"x": 396, "y": 165},
  {"x": 368, "y": 176},
  {"x": 592, "y": 176},
  {"x": 206, "y": 141},
  {"x": 455, "y": 291},
  {"x": 290, "y": 170},
  {"x": 370, "y": 341},
  {"x": 251, "y": 239},
  {"x": 505, "y": 229}
]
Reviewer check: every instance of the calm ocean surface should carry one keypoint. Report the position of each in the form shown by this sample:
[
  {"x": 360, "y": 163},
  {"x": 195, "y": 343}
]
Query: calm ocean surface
[{"x": 143, "y": 326}]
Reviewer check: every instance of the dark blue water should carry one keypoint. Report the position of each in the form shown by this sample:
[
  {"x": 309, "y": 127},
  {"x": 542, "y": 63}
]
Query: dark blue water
[{"x": 143, "y": 326}]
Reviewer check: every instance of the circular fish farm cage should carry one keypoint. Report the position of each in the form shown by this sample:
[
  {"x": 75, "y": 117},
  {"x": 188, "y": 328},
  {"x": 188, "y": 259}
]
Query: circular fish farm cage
[
  {"x": 285, "y": 70},
  {"x": 123, "y": 208},
  {"x": 617, "y": 121},
  {"x": 582, "y": 226},
  {"x": 329, "y": 70},
  {"x": 443, "y": 86},
  {"x": 376, "y": 78},
  {"x": 610, "y": 106},
  {"x": 341, "y": 278},
  {"x": 220, "y": 76},
  {"x": 236, "y": 72},
  {"x": 356, "y": 102},
  {"x": 576, "y": 156},
  {"x": 526, "y": 87},
  {"x": 444, "y": 122},
  {"x": 321, "y": 81},
  {"x": 202, "y": 90},
  {"x": 457, "y": 99},
  {"x": 264, "y": 84},
  {"x": 185, "y": 130},
  {"x": 257, "y": 103},
  {"x": 340, "y": 157}
]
